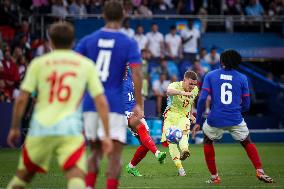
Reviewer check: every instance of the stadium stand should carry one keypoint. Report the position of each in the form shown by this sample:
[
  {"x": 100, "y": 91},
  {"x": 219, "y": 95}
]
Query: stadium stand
[{"x": 258, "y": 37}]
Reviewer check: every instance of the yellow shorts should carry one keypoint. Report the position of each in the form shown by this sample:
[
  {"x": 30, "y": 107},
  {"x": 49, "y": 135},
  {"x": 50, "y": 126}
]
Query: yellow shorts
[
  {"x": 37, "y": 151},
  {"x": 174, "y": 119}
]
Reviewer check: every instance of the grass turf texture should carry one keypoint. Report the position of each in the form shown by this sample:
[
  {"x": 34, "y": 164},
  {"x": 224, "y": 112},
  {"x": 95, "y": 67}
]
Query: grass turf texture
[{"x": 233, "y": 165}]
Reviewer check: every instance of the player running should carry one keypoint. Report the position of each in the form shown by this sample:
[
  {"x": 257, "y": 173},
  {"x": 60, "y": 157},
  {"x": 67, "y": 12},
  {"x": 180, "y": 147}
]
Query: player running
[
  {"x": 181, "y": 97},
  {"x": 111, "y": 50},
  {"x": 230, "y": 97},
  {"x": 139, "y": 129},
  {"x": 59, "y": 78}
]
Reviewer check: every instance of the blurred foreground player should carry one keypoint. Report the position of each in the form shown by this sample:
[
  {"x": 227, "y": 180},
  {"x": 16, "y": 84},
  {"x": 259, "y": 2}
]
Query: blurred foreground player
[
  {"x": 111, "y": 50},
  {"x": 60, "y": 78},
  {"x": 139, "y": 129},
  {"x": 230, "y": 97},
  {"x": 181, "y": 96}
]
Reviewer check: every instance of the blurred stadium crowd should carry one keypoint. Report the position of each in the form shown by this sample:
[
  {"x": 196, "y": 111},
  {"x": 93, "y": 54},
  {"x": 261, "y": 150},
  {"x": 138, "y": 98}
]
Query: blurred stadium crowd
[
  {"x": 165, "y": 57},
  {"x": 145, "y": 7}
]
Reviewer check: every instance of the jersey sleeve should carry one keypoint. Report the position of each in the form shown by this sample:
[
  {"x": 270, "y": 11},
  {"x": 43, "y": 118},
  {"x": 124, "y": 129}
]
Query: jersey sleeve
[
  {"x": 134, "y": 56},
  {"x": 194, "y": 92},
  {"x": 245, "y": 87},
  {"x": 206, "y": 84},
  {"x": 173, "y": 85},
  {"x": 29, "y": 83},
  {"x": 94, "y": 84},
  {"x": 81, "y": 47}
]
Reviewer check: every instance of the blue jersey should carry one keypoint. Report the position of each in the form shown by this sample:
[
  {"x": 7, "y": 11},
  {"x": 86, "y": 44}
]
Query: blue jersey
[
  {"x": 227, "y": 89},
  {"x": 128, "y": 93},
  {"x": 111, "y": 50}
]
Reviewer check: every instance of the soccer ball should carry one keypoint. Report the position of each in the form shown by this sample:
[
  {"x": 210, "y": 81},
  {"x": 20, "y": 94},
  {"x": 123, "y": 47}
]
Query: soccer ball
[{"x": 173, "y": 135}]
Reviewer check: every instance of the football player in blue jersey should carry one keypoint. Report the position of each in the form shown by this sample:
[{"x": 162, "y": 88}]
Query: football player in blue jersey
[
  {"x": 230, "y": 97},
  {"x": 139, "y": 129},
  {"x": 111, "y": 50}
]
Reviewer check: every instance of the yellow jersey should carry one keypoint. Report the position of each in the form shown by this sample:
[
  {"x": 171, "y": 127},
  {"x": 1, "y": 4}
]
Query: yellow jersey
[
  {"x": 180, "y": 104},
  {"x": 60, "y": 78}
]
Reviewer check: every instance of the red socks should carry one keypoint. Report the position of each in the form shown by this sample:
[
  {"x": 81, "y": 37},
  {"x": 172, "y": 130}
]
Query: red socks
[
  {"x": 112, "y": 183},
  {"x": 91, "y": 179},
  {"x": 139, "y": 155},
  {"x": 253, "y": 155},
  {"x": 145, "y": 138},
  {"x": 210, "y": 158}
]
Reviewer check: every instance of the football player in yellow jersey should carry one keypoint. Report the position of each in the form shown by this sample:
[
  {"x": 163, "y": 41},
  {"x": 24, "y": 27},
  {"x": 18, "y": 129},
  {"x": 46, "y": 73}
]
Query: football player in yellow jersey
[
  {"x": 60, "y": 78},
  {"x": 181, "y": 97}
]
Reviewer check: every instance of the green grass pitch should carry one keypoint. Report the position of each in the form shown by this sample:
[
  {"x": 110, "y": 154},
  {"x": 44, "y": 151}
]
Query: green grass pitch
[{"x": 233, "y": 165}]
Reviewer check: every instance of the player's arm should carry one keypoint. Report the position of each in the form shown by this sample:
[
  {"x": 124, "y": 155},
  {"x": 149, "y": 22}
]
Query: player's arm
[
  {"x": 28, "y": 86},
  {"x": 245, "y": 96},
  {"x": 192, "y": 118},
  {"x": 200, "y": 109},
  {"x": 206, "y": 89},
  {"x": 135, "y": 64},
  {"x": 137, "y": 80},
  {"x": 18, "y": 111},
  {"x": 172, "y": 91}
]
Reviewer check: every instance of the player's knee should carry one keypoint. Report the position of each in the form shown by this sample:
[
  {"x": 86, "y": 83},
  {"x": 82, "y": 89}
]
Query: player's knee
[
  {"x": 74, "y": 172},
  {"x": 207, "y": 140},
  {"x": 246, "y": 141}
]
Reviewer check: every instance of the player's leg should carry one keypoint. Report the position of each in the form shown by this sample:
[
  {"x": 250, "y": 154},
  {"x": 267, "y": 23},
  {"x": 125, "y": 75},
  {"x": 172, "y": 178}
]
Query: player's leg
[
  {"x": 72, "y": 158},
  {"x": 93, "y": 163},
  {"x": 184, "y": 124},
  {"x": 210, "y": 134},
  {"x": 75, "y": 178},
  {"x": 140, "y": 153},
  {"x": 114, "y": 165},
  {"x": 34, "y": 158},
  {"x": 175, "y": 155},
  {"x": 21, "y": 179},
  {"x": 91, "y": 121},
  {"x": 140, "y": 127},
  {"x": 173, "y": 148},
  {"x": 241, "y": 133},
  {"x": 118, "y": 135}
]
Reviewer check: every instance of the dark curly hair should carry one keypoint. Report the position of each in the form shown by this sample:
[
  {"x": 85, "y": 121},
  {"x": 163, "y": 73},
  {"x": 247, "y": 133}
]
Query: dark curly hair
[{"x": 231, "y": 59}]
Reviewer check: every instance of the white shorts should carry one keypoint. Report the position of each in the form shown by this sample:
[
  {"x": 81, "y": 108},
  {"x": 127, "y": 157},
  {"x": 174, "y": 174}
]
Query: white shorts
[
  {"x": 128, "y": 115},
  {"x": 238, "y": 132},
  {"x": 94, "y": 128}
]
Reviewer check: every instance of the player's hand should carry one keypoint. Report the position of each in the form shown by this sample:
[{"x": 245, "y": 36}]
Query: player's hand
[
  {"x": 107, "y": 145},
  {"x": 137, "y": 111},
  {"x": 193, "y": 119},
  {"x": 13, "y": 137},
  {"x": 194, "y": 130}
]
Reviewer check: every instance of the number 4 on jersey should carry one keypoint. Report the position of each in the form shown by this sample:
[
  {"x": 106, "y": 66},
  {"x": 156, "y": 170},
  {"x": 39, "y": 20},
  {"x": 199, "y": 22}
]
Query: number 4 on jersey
[{"x": 102, "y": 64}]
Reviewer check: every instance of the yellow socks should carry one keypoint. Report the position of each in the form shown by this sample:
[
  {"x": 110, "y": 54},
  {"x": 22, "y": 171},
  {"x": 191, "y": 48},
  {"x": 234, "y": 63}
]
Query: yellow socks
[
  {"x": 175, "y": 154},
  {"x": 183, "y": 143}
]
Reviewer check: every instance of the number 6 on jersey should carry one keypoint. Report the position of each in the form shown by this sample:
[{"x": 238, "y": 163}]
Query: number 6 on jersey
[{"x": 226, "y": 95}]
